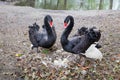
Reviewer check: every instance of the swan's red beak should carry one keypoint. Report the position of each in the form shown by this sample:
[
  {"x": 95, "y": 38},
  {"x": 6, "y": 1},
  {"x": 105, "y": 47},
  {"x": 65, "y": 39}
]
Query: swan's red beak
[
  {"x": 51, "y": 23},
  {"x": 65, "y": 25}
]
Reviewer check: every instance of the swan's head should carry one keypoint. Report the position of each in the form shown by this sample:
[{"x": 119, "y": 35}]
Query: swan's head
[
  {"x": 94, "y": 34},
  {"x": 67, "y": 21},
  {"x": 48, "y": 19}
]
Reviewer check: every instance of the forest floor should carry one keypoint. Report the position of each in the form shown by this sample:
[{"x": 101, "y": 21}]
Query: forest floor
[{"x": 18, "y": 62}]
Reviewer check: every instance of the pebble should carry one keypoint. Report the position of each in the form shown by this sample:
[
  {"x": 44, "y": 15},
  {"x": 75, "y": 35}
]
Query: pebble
[
  {"x": 24, "y": 44},
  {"x": 1, "y": 50},
  {"x": 117, "y": 61},
  {"x": 83, "y": 72},
  {"x": 58, "y": 51}
]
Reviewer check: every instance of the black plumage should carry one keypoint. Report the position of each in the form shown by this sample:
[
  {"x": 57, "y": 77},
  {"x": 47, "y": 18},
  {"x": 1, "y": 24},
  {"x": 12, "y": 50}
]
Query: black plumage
[
  {"x": 44, "y": 38},
  {"x": 78, "y": 44},
  {"x": 81, "y": 31}
]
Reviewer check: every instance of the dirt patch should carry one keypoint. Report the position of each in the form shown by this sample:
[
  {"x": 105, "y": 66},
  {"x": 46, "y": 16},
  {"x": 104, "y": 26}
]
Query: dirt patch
[{"x": 14, "y": 22}]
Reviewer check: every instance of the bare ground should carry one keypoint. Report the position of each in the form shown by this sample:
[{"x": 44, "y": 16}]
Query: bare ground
[{"x": 14, "y": 22}]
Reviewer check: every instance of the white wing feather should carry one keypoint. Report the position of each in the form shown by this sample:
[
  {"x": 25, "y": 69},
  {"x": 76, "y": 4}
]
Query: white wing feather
[{"x": 93, "y": 52}]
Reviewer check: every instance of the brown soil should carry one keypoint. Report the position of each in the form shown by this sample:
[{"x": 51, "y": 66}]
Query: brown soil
[{"x": 14, "y": 22}]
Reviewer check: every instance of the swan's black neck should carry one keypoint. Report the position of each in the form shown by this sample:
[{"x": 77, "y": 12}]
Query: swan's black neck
[
  {"x": 67, "y": 31},
  {"x": 47, "y": 25}
]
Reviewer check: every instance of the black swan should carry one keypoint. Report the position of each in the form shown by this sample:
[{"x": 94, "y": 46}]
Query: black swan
[
  {"x": 78, "y": 44},
  {"x": 46, "y": 38}
]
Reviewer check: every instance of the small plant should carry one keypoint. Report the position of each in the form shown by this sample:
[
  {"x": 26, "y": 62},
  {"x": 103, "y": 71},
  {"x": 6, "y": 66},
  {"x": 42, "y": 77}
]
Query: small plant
[
  {"x": 111, "y": 78},
  {"x": 45, "y": 51}
]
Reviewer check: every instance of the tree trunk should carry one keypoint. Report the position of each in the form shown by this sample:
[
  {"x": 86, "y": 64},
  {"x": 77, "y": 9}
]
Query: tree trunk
[
  {"x": 44, "y": 3},
  {"x": 81, "y": 3},
  {"x": 58, "y": 4},
  {"x": 100, "y": 5},
  {"x": 51, "y": 3},
  {"x": 111, "y": 4},
  {"x": 65, "y": 4}
]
